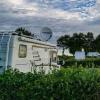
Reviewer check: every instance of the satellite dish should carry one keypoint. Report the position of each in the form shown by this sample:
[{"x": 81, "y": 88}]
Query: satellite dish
[{"x": 46, "y": 34}]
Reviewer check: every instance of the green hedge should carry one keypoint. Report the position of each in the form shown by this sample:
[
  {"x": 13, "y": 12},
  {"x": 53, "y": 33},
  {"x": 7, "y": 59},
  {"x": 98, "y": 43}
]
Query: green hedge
[
  {"x": 66, "y": 84},
  {"x": 88, "y": 62},
  {"x": 84, "y": 63}
]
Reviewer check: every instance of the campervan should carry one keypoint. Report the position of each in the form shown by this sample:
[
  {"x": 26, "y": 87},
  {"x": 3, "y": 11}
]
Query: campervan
[{"x": 26, "y": 53}]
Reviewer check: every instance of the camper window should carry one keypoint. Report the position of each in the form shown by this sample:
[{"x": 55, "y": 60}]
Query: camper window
[
  {"x": 22, "y": 51},
  {"x": 54, "y": 57}
]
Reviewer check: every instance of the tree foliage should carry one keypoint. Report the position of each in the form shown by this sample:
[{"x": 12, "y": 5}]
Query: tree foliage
[
  {"x": 63, "y": 42},
  {"x": 79, "y": 41},
  {"x": 66, "y": 84},
  {"x": 76, "y": 42},
  {"x": 23, "y": 31},
  {"x": 97, "y": 43}
]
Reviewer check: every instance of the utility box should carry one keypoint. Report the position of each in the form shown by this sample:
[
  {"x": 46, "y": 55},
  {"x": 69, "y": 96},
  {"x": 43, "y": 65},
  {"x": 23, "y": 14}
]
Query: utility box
[{"x": 79, "y": 55}]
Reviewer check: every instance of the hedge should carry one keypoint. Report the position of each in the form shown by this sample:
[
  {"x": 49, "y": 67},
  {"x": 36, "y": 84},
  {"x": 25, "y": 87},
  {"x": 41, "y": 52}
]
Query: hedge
[
  {"x": 88, "y": 62},
  {"x": 84, "y": 63},
  {"x": 66, "y": 84}
]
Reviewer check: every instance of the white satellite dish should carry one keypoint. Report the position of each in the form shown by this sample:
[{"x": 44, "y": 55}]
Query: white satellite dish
[{"x": 46, "y": 34}]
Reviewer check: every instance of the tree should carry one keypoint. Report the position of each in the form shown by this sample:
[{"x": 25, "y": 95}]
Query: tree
[
  {"x": 63, "y": 42},
  {"x": 97, "y": 43},
  {"x": 89, "y": 44},
  {"x": 23, "y": 31},
  {"x": 80, "y": 41},
  {"x": 77, "y": 42}
]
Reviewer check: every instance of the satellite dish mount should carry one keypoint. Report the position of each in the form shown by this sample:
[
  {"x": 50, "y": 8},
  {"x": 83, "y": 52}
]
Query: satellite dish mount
[{"x": 46, "y": 34}]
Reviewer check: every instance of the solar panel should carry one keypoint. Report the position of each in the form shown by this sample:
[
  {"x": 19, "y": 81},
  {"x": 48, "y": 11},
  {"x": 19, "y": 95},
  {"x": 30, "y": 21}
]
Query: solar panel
[{"x": 4, "y": 46}]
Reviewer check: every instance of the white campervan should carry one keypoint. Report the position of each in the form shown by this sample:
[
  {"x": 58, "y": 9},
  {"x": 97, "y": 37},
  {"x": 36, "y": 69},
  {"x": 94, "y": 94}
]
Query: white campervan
[{"x": 25, "y": 53}]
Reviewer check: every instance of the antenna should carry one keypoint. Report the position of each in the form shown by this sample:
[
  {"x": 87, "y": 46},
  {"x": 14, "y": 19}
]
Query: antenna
[{"x": 46, "y": 34}]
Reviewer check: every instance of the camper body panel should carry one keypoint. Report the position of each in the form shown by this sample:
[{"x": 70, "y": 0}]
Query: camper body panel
[{"x": 24, "y": 64}]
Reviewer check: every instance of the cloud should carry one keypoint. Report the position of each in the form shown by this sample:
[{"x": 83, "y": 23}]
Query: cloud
[{"x": 62, "y": 16}]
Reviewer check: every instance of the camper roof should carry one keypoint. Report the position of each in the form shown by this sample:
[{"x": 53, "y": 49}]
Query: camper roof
[
  {"x": 32, "y": 40},
  {"x": 28, "y": 39}
]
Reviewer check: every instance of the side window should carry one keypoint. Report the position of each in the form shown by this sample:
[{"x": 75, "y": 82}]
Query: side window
[
  {"x": 54, "y": 57},
  {"x": 22, "y": 51}
]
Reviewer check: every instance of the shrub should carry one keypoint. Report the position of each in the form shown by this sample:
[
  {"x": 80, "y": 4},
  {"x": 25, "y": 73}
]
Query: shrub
[
  {"x": 84, "y": 63},
  {"x": 66, "y": 84}
]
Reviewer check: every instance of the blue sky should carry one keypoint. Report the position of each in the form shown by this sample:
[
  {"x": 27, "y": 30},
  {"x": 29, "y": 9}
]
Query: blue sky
[{"x": 62, "y": 16}]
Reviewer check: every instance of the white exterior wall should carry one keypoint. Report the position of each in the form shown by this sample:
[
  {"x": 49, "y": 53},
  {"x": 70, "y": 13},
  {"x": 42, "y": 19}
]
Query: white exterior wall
[
  {"x": 23, "y": 64},
  {"x": 45, "y": 57},
  {"x": 20, "y": 63}
]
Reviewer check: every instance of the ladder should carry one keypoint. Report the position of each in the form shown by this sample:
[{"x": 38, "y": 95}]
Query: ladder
[
  {"x": 36, "y": 63},
  {"x": 4, "y": 50},
  {"x": 37, "y": 58}
]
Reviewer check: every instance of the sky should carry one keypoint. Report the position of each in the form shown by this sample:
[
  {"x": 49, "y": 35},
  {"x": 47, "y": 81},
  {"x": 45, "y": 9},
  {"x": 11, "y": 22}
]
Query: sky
[{"x": 62, "y": 16}]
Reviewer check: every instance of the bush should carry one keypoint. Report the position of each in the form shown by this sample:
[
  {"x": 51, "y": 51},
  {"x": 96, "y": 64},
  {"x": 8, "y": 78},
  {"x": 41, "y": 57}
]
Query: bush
[
  {"x": 70, "y": 61},
  {"x": 66, "y": 84},
  {"x": 84, "y": 63}
]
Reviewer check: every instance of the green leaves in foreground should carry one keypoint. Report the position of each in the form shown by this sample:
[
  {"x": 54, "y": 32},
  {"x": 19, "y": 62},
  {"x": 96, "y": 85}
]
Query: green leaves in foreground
[{"x": 66, "y": 84}]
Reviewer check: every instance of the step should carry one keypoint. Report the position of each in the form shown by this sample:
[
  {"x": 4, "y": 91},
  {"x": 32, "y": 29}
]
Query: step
[
  {"x": 35, "y": 52},
  {"x": 38, "y": 59},
  {"x": 34, "y": 56},
  {"x": 38, "y": 62},
  {"x": 40, "y": 65}
]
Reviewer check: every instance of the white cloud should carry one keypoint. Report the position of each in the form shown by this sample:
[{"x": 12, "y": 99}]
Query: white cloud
[
  {"x": 15, "y": 2},
  {"x": 22, "y": 8},
  {"x": 98, "y": 1},
  {"x": 63, "y": 16},
  {"x": 58, "y": 14}
]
